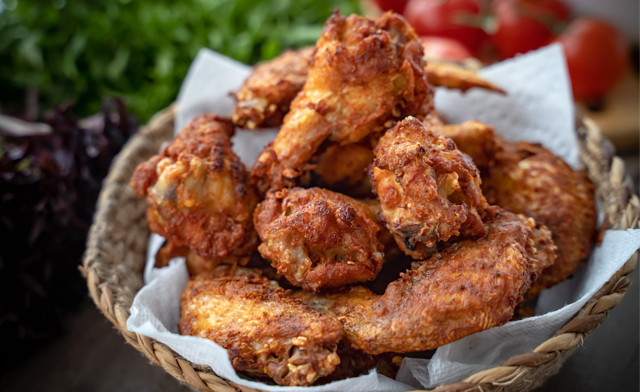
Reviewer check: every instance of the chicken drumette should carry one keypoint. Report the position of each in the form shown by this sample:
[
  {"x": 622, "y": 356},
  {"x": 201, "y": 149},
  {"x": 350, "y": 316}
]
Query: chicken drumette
[
  {"x": 429, "y": 191},
  {"x": 265, "y": 96},
  {"x": 199, "y": 194},
  {"x": 319, "y": 239}
]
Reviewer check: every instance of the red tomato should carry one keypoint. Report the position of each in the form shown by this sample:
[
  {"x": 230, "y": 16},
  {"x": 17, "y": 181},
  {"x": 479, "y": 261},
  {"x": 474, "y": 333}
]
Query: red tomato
[
  {"x": 596, "y": 57},
  {"x": 393, "y": 5},
  {"x": 456, "y": 19},
  {"x": 444, "y": 49},
  {"x": 524, "y": 25}
]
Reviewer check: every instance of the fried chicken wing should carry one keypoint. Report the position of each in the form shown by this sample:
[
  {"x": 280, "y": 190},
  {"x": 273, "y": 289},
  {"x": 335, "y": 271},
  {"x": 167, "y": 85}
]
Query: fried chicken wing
[
  {"x": 456, "y": 77},
  {"x": 264, "y": 329},
  {"x": 529, "y": 179},
  {"x": 470, "y": 286},
  {"x": 318, "y": 239},
  {"x": 265, "y": 96},
  {"x": 429, "y": 191},
  {"x": 364, "y": 75},
  {"x": 199, "y": 194}
]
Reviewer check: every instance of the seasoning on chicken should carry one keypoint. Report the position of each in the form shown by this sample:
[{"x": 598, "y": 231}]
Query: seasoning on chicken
[
  {"x": 265, "y": 96},
  {"x": 199, "y": 194},
  {"x": 429, "y": 191},
  {"x": 318, "y": 239},
  {"x": 456, "y": 77},
  {"x": 364, "y": 76},
  {"x": 469, "y": 286},
  {"x": 265, "y": 331},
  {"x": 527, "y": 178}
]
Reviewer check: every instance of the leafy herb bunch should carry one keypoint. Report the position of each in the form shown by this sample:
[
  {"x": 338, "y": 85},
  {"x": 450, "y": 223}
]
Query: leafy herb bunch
[{"x": 56, "y": 51}]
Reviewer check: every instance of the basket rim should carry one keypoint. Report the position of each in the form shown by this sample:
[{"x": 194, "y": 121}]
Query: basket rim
[{"x": 527, "y": 370}]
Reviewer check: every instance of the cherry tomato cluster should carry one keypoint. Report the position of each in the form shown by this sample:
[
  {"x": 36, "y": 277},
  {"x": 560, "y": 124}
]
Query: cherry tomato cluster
[{"x": 453, "y": 30}]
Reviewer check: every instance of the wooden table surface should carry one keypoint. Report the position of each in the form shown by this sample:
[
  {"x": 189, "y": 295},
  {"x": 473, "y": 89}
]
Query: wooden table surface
[{"x": 619, "y": 118}]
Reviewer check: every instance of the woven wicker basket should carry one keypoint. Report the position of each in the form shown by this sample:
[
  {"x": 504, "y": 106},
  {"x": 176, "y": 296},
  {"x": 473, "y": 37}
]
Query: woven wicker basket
[{"x": 117, "y": 246}]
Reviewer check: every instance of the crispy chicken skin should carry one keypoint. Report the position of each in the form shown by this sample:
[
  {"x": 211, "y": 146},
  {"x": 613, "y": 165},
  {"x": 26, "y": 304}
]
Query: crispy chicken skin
[
  {"x": 196, "y": 264},
  {"x": 474, "y": 138},
  {"x": 456, "y": 77},
  {"x": 352, "y": 363},
  {"x": 529, "y": 179},
  {"x": 429, "y": 191},
  {"x": 470, "y": 286},
  {"x": 265, "y": 96},
  {"x": 318, "y": 239},
  {"x": 198, "y": 192},
  {"x": 264, "y": 329},
  {"x": 343, "y": 168},
  {"x": 364, "y": 75}
]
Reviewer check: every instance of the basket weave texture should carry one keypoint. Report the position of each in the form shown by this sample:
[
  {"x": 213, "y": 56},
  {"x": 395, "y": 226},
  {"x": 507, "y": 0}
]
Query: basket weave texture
[{"x": 117, "y": 245}]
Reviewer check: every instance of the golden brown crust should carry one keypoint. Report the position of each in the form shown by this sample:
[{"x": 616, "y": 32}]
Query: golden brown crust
[
  {"x": 352, "y": 364},
  {"x": 265, "y": 331},
  {"x": 456, "y": 77},
  {"x": 265, "y": 96},
  {"x": 196, "y": 265},
  {"x": 468, "y": 287},
  {"x": 429, "y": 191},
  {"x": 343, "y": 168},
  {"x": 474, "y": 138},
  {"x": 198, "y": 192},
  {"x": 365, "y": 75},
  {"x": 318, "y": 239},
  {"x": 527, "y": 178}
]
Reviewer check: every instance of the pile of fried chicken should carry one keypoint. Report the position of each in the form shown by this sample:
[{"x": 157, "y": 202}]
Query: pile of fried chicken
[{"x": 380, "y": 229}]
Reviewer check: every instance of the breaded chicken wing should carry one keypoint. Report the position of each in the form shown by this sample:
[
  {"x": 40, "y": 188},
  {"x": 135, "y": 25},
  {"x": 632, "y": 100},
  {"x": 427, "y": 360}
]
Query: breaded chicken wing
[
  {"x": 364, "y": 75},
  {"x": 318, "y": 239},
  {"x": 265, "y": 330},
  {"x": 456, "y": 77},
  {"x": 265, "y": 96},
  {"x": 470, "y": 286},
  {"x": 429, "y": 191},
  {"x": 199, "y": 194},
  {"x": 529, "y": 179}
]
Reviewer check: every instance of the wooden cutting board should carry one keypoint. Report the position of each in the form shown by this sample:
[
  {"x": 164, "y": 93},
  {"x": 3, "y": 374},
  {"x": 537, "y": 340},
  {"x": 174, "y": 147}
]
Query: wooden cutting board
[{"x": 620, "y": 117}]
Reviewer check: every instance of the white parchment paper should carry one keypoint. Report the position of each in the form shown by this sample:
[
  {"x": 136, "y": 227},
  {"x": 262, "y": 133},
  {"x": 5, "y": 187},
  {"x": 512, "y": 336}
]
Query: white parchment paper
[{"x": 538, "y": 108}]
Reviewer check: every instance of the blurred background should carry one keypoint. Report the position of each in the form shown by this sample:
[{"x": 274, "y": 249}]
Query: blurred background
[{"x": 78, "y": 78}]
